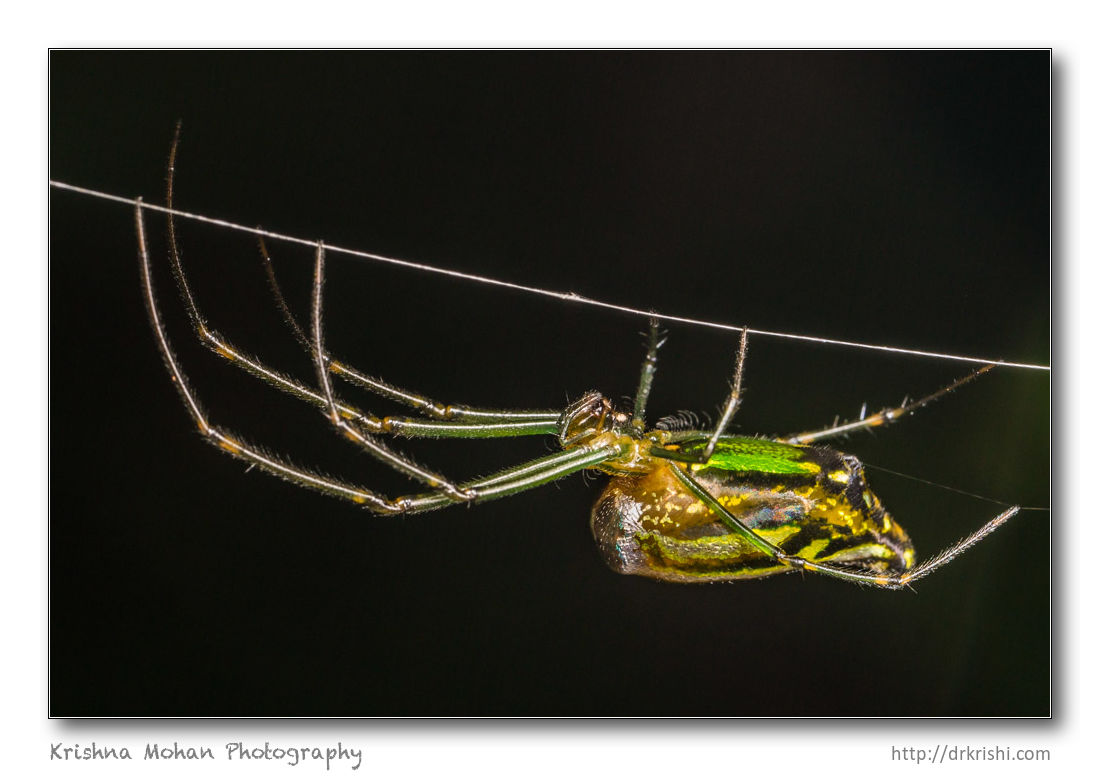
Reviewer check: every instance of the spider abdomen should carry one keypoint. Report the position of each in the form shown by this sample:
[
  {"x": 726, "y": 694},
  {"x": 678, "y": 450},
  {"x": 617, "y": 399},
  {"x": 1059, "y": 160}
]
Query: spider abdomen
[{"x": 812, "y": 503}]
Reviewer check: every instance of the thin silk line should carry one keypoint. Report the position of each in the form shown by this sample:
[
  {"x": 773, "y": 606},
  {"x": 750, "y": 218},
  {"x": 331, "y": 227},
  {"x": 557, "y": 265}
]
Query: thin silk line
[
  {"x": 952, "y": 488},
  {"x": 560, "y": 295}
]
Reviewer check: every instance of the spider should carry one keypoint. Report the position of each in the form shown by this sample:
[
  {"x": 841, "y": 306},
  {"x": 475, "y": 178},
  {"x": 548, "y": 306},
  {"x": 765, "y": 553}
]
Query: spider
[{"x": 683, "y": 504}]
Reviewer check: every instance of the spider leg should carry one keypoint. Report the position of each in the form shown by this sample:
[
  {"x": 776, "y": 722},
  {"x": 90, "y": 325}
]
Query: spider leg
[
  {"x": 733, "y": 401},
  {"x": 892, "y": 581},
  {"x": 526, "y": 476},
  {"x": 348, "y": 428},
  {"x": 502, "y": 484},
  {"x": 422, "y": 404},
  {"x": 883, "y": 417},
  {"x": 654, "y": 340}
]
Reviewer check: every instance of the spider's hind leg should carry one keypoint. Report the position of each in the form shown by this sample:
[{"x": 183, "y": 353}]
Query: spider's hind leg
[{"x": 881, "y": 418}]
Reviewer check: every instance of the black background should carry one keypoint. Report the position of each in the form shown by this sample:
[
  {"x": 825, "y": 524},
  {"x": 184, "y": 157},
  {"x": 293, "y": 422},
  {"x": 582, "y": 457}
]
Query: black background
[{"x": 897, "y": 198}]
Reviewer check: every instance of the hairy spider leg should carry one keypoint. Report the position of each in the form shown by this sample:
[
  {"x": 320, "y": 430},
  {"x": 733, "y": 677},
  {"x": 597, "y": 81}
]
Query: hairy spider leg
[
  {"x": 349, "y": 429},
  {"x": 891, "y": 581},
  {"x": 654, "y": 340},
  {"x": 501, "y": 484},
  {"x": 732, "y": 402},
  {"x": 423, "y": 404},
  {"x": 729, "y": 408},
  {"x": 883, "y": 417}
]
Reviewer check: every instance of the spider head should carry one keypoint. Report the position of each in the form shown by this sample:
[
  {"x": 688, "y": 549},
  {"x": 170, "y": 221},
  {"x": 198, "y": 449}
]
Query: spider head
[{"x": 590, "y": 416}]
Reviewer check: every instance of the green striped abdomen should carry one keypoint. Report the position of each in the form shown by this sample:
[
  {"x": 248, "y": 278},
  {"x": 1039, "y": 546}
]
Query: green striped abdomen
[{"x": 811, "y": 502}]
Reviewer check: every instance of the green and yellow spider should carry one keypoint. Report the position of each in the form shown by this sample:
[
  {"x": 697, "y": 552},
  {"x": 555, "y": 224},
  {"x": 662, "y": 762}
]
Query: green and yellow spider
[{"x": 683, "y": 504}]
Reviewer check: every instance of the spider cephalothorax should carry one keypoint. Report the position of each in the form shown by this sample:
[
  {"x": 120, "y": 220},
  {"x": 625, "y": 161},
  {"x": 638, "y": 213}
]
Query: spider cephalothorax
[{"x": 588, "y": 417}]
